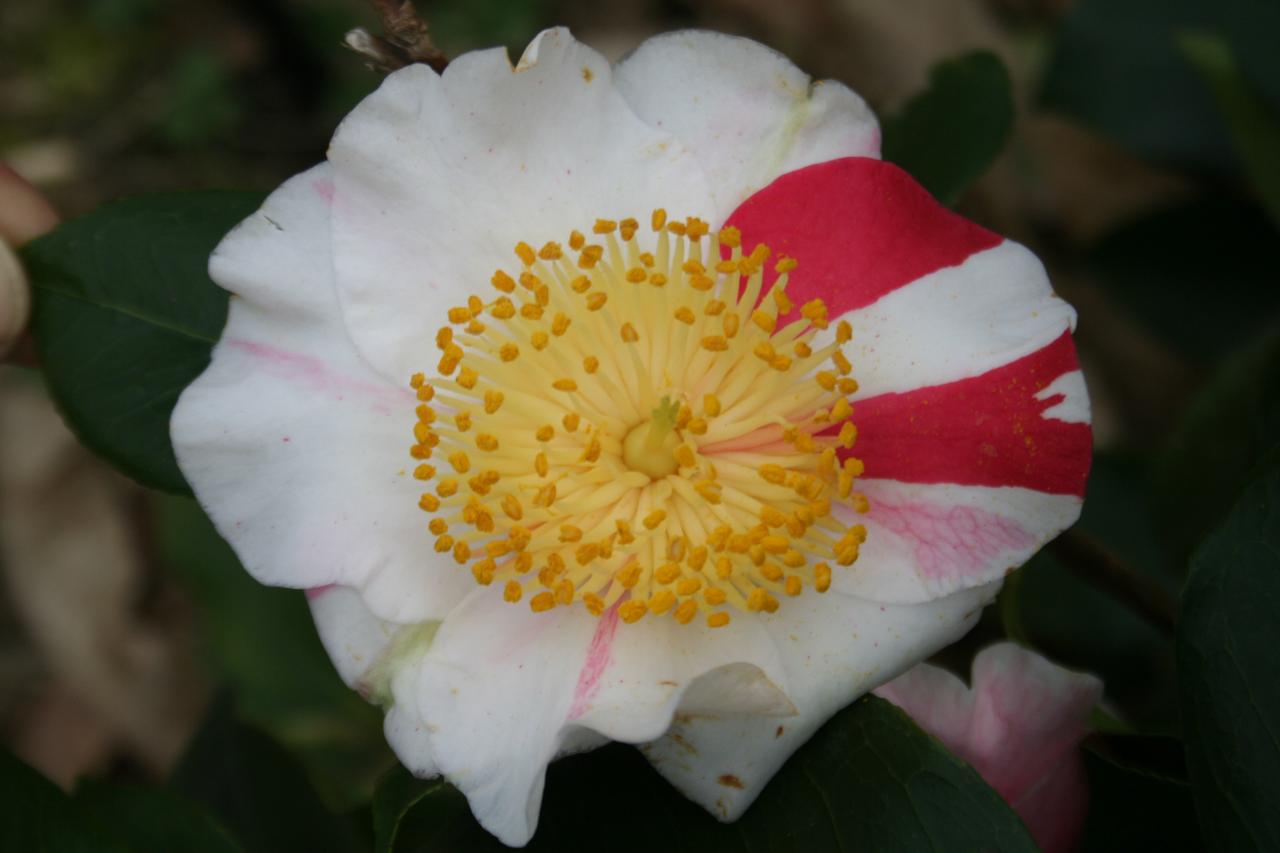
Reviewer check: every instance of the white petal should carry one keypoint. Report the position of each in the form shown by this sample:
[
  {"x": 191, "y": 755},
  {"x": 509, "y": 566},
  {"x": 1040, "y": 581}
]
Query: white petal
[
  {"x": 959, "y": 322},
  {"x": 835, "y": 648},
  {"x": 438, "y": 177},
  {"x": 295, "y": 447},
  {"x": 496, "y": 689},
  {"x": 746, "y": 111},
  {"x": 382, "y": 660},
  {"x": 929, "y": 540}
]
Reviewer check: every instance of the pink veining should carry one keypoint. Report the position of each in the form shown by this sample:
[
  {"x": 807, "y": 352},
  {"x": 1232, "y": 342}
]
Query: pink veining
[
  {"x": 324, "y": 188},
  {"x": 946, "y": 540},
  {"x": 317, "y": 376},
  {"x": 599, "y": 655},
  {"x": 317, "y": 591}
]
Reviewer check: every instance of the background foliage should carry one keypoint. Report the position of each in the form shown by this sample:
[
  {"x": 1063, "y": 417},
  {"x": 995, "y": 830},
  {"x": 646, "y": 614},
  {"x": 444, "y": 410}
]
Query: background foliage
[{"x": 1167, "y": 588}]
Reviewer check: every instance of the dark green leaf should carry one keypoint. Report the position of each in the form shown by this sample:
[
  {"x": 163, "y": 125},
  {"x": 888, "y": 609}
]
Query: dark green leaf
[
  {"x": 1200, "y": 275},
  {"x": 1134, "y": 810},
  {"x": 947, "y": 136},
  {"x": 152, "y": 820},
  {"x": 1229, "y": 673},
  {"x": 1254, "y": 123},
  {"x": 262, "y": 643},
  {"x": 257, "y": 790},
  {"x": 869, "y": 780},
  {"x": 125, "y": 317},
  {"x": 1251, "y": 26},
  {"x": 1116, "y": 67},
  {"x": 1230, "y": 428},
  {"x": 39, "y": 818}
]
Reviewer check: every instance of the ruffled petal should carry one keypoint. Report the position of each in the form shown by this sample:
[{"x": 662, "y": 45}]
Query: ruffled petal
[
  {"x": 382, "y": 661},
  {"x": 438, "y": 178},
  {"x": 834, "y": 648},
  {"x": 747, "y": 112},
  {"x": 293, "y": 445}
]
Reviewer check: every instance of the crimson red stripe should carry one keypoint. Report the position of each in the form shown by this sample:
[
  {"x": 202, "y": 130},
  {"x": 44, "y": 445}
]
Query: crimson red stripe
[
  {"x": 860, "y": 228},
  {"x": 984, "y": 431}
]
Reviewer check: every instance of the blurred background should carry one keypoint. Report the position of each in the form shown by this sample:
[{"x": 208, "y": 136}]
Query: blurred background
[{"x": 1132, "y": 169}]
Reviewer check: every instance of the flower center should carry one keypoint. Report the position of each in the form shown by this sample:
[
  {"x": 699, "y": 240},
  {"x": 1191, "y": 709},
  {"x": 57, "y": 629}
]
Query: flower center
[{"x": 631, "y": 426}]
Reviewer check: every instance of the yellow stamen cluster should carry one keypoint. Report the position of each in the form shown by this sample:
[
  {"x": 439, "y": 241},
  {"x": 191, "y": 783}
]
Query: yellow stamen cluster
[{"x": 633, "y": 426}]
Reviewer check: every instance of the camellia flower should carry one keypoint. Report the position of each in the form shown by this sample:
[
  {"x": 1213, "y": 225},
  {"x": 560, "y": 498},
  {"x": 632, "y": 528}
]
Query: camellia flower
[
  {"x": 548, "y": 385},
  {"x": 1020, "y": 725}
]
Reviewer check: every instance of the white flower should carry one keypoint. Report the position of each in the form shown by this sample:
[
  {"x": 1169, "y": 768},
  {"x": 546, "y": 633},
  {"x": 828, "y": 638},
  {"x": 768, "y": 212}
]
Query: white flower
[{"x": 552, "y": 479}]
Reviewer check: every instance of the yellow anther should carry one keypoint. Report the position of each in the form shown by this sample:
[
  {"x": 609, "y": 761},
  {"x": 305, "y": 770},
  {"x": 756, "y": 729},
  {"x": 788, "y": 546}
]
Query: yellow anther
[
  {"x": 730, "y": 236},
  {"x": 658, "y": 219},
  {"x": 718, "y": 619},
  {"x": 462, "y": 420},
  {"x": 531, "y": 311},
  {"x": 726, "y": 267},
  {"x": 492, "y": 401},
  {"x": 657, "y": 279},
  {"x": 581, "y": 284},
  {"x": 724, "y": 567},
  {"x": 842, "y": 364},
  {"x": 513, "y": 591},
  {"x": 447, "y": 488},
  {"x": 698, "y": 426},
  {"x": 592, "y": 453},
  {"x": 550, "y": 251},
  {"x": 825, "y": 379},
  {"x": 848, "y": 386},
  {"x": 597, "y": 300},
  {"x": 486, "y": 442},
  {"x": 444, "y": 543},
  {"x": 459, "y": 315},
  {"x": 781, "y": 363},
  {"x": 540, "y": 464},
  {"x": 461, "y": 553},
  {"x": 416, "y": 380},
  {"x": 570, "y": 533},
  {"x": 661, "y": 601},
  {"x": 715, "y": 596},
  {"x": 571, "y": 421},
  {"x": 625, "y": 536},
  {"x": 541, "y": 602},
  {"x": 685, "y": 315},
  {"x": 629, "y": 575},
  {"x": 565, "y": 385},
  {"x": 684, "y": 456},
  {"x": 632, "y": 610},
  {"x": 715, "y": 308},
  {"x": 627, "y": 228},
  {"x": 526, "y": 254},
  {"x": 715, "y": 343},
  {"x": 783, "y": 301},
  {"x": 636, "y": 275},
  {"x": 686, "y": 611},
  {"x": 709, "y": 491},
  {"x": 559, "y": 325},
  {"x": 822, "y": 577},
  {"x": 458, "y": 459},
  {"x": 467, "y": 378},
  {"x": 695, "y": 228},
  {"x": 655, "y": 518},
  {"x": 628, "y": 333},
  {"x": 688, "y": 586},
  {"x": 438, "y": 526},
  {"x": 730, "y": 324},
  {"x": 647, "y": 260},
  {"x": 785, "y": 264},
  {"x": 564, "y": 592},
  {"x": 802, "y": 350},
  {"x": 591, "y": 364},
  {"x": 766, "y": 321},
  {"x": 815, "y": 311},
  {"x": 424, "y": 472},
  {"x": 502, "y": 308},
  {"x": 604, "y": 226},
  {"x": 430, "y": 503},
  {"x": 444, "y": 337},
  {"x": 756, "y": 600},
  {"x": 701, "y": 282},
  {"x": 545, "y": 496},
  {"x": 483, "y": 571},
  {"x": 576, "y": 240},
  {"x": 593, "y": 603},
  {"x": 773, "y": 473},
  {"x": 853, "y": 466}
]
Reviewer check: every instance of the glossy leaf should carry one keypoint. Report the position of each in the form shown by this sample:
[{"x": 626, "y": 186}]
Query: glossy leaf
[
  {"x": 125, "y": 316},
  {"x": 949, "y": 134},
  {"x": 869, "y": 780},
  {"x": 1230, "y": 675}
]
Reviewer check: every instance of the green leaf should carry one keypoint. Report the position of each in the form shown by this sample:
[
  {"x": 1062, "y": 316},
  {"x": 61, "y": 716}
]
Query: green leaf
[
  {"x": 37, "y": 817},
  {"x": 125, "y": 316},
  {"x": 1130, "y": 809},
  {"x": 1254, "y": 123},
  {"x": 262, "y": 643},
  {"x": 152, "y": 820},
  {"x": 1230, "y": 675},
  {"x": 949, "y": 134},
  {"x": 1116, "y": 67},
  {"x": 256, "y": 789},
  {"x": 1227, "y": 432},
  {"x": 869, "y": 780}
]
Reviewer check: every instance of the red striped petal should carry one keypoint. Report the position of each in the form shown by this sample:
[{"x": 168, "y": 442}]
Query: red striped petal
[
  {"x": 860, "y": 228},
  {"x": 987, "y": 430}
]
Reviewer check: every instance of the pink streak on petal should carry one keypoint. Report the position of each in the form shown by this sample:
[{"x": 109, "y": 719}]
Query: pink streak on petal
[
  {"x": 317, "y": 591},
  {"x": 324, "y": 189},
  {"x": 599, "y": 655},
  {"x": 318, "y": 377},
  {"x": 950, "y": 540}
]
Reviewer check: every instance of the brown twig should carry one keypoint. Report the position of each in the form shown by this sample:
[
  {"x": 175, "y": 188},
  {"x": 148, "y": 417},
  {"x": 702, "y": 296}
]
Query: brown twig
[
  {"x": 1090, "y": 560},
  {"x": 404, "y": 40}
]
